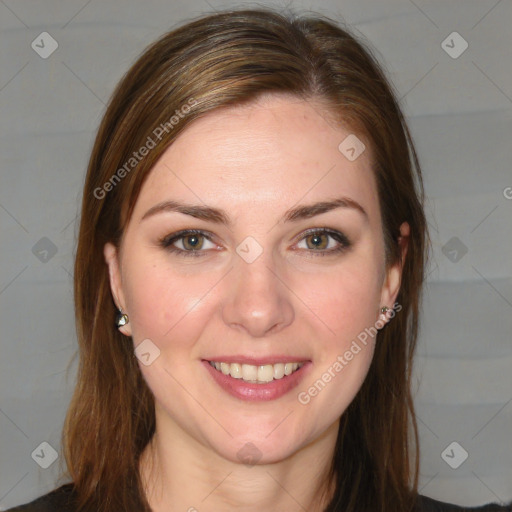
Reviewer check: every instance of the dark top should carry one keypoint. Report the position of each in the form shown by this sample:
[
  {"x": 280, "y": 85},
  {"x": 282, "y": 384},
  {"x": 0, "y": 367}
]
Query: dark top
[{"x": 60, "y": 500}]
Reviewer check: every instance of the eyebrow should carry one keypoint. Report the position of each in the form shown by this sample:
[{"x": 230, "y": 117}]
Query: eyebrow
[{"x": 219, "y": 216}]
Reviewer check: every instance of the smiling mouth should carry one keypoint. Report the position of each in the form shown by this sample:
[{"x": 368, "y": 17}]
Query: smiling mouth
[{"x": 252, "y": 374}]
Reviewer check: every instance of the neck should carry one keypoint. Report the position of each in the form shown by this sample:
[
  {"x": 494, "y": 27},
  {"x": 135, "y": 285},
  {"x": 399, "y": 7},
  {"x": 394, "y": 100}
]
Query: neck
[{"x": 181, "y": 474}]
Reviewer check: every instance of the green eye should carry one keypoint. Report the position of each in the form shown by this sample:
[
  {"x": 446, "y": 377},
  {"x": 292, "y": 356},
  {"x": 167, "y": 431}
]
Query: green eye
[
  {"x": 319, "y": 241},
  {"x": 192, "y": 242}
]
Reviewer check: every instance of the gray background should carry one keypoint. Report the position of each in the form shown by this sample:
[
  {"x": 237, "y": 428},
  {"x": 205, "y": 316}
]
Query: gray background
[{"x": 459, "y": 110}]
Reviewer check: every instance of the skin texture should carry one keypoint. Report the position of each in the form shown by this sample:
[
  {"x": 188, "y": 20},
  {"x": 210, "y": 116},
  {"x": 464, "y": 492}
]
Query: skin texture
[{"x": 255, "y": 162}]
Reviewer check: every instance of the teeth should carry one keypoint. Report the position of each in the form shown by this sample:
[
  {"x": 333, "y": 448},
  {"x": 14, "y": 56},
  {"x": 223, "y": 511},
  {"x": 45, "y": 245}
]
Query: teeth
[
  {"x": 257, "y": 374},
  {"x": 235, "y": 370},
  {"x": 249, "y": 372},
  {"x": 278, "y": 371}
]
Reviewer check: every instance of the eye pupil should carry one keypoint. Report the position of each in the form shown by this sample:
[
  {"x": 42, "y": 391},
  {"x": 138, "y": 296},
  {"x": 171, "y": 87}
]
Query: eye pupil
[
  {"x": 317, "y": 241},
  {"x": 192, "y": 241}
]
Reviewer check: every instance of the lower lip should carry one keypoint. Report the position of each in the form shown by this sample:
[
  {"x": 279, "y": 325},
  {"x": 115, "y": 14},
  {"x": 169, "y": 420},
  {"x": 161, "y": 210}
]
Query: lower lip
[{"x": 258, "y": 392}]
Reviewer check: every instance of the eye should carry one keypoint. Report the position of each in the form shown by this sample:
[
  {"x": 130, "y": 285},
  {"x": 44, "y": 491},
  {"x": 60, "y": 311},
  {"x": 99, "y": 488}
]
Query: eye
[
  {"x": 324, "y": 241},
  {"x": 190, "y": 242}
]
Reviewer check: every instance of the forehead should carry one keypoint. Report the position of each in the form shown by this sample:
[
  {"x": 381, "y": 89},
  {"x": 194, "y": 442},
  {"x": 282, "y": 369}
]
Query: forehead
[{"x": 267, "y": 155}]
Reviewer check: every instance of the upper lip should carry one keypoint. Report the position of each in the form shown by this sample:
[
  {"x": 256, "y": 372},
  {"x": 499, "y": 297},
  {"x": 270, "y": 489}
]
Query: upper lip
[{"x": 257, "y": 361}]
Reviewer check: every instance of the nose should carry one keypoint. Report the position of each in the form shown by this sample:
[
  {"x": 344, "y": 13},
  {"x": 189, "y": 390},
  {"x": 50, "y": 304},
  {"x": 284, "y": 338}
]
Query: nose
[{"x": 257, "y": 299}]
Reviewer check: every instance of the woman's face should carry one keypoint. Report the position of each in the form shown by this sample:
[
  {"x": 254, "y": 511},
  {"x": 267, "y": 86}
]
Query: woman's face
[{"x": 287, "y": 266}]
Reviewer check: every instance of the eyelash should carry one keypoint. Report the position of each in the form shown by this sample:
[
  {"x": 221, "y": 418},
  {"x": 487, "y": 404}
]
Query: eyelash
[{"x": 168, "y": 241}]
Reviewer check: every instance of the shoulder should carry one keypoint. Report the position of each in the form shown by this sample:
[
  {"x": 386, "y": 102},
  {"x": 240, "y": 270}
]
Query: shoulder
[
  {"x": 58, "y": 500},
  {"x": 62, "y": 498},
  {"x": 426, "y": 504}
]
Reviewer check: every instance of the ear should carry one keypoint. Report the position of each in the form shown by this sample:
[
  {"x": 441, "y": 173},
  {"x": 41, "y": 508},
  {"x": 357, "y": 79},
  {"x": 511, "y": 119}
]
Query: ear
[
  {"x": 116, "y": 286},
  {"x": 393, "y": 279}
]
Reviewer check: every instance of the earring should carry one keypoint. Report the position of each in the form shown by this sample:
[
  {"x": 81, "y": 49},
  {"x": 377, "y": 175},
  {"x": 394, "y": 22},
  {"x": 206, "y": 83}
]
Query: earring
[
  {"x": 384, "y": 314},
  {"x": 121, "y": 319}
]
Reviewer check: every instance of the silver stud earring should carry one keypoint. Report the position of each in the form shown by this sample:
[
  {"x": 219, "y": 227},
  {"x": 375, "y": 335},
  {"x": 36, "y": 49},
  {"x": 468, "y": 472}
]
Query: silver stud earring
[
  {"x": 121, "y": 319},
  {"x": 384, "y": 310}
]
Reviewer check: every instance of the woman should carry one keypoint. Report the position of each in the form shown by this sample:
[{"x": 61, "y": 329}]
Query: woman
[{"x": 252, "y": 218}]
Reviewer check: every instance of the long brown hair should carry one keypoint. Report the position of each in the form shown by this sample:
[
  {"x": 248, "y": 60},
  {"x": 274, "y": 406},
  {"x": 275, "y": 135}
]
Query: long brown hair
[{"x": 217, "y": 61}]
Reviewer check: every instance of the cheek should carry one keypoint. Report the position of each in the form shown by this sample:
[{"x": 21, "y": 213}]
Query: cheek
[
  {"x": 344, "y": 301},
  {"x": 161, "y": 302}
]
